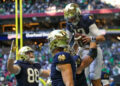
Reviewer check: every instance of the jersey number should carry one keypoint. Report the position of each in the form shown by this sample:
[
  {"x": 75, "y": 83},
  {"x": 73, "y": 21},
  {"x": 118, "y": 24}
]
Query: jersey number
[
  {"x": 80, "y": 30},
  {"x": 33, "y": 75}
]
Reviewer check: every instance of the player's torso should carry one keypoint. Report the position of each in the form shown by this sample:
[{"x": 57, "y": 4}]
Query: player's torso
[
  {"x": 29, "y": 75},
  {"x": 82, "y": 26}
]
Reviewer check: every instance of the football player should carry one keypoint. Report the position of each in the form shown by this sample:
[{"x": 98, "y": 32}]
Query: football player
[
  {"x": 26, "y": 71},
  {"x": 81, "y": 64},
  {"x": 63, "y": 69},
  {"x": 85, "y": 24},
  {"x": 80, "y": 78},
  {"x": 63, "y": 66}
]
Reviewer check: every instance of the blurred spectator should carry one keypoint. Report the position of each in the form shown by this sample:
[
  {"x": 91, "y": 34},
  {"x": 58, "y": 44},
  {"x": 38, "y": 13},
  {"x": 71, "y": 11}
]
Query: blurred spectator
[
  {"x": 112, "y": 83},
  {"x": 36, "y": 6}
]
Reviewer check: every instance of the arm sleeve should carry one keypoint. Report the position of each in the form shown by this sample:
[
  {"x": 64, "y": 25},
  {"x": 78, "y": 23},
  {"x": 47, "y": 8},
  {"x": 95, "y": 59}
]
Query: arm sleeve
[{"x": 94, "y": 30}]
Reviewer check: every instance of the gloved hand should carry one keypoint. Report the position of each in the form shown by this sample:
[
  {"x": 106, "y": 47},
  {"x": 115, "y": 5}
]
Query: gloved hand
[{"x": 12, "y": 51}]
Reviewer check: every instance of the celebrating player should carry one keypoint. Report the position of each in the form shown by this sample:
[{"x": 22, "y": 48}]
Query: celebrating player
[
  {"x": 63, "y": 66},
  {"x": 84, "y": 24},
  {"x": 82, "y": 64},
  {"x": 26, "y": 71},
  {"x": 63, "y": 70}
]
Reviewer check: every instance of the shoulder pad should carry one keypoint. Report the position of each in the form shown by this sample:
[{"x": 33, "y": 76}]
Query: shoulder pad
[{"x": 88, "y": 17}]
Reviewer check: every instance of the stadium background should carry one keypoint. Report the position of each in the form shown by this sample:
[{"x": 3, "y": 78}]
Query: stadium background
[{"x": 42, "y": 16}]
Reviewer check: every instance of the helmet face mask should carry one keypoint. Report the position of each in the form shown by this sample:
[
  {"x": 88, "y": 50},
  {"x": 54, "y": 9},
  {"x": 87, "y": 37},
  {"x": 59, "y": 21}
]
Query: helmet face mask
[
  {"x": 74, "y": 20},
  {"x": 72, "y": 13},
  {"x": 58, "y": 38},
  {"x": 22, "y": 54}
]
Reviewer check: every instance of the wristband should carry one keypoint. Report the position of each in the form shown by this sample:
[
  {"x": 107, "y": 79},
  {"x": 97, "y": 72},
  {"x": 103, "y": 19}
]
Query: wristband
[{"x": 93, "y": 39}]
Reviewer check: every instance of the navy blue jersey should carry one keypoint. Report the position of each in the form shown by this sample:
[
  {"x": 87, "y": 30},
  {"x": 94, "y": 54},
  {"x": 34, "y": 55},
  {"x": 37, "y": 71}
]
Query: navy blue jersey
[
  {"x": 77, "y": 60},
  {"x": 61, "y": 58},
  {"x": 82, "y": 26},
  {"x": 29, "y": 74},
  {"x": 80, "y": 78}
]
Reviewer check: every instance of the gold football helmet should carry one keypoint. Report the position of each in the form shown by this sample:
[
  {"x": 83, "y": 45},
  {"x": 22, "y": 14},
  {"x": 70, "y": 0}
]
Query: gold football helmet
[
  {"x": 72, "y": 13},
  {"x": 58, "y": 38},
  {"x": 22, "y": 53}
]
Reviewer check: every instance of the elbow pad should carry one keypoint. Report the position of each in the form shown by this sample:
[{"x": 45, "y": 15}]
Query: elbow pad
[{"x": 93, "y": 53}]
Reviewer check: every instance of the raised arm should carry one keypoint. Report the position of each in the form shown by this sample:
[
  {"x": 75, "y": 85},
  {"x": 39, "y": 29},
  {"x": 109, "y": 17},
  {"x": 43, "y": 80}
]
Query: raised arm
[
  {"x": 10, "y": 64},
  {"x": 89, "y": 58}
]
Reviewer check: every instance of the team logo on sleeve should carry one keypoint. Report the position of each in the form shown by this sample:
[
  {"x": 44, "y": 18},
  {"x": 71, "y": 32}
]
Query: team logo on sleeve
[
  {"x": 61, "y": 57},
  {"x": 90, "y": 17}
]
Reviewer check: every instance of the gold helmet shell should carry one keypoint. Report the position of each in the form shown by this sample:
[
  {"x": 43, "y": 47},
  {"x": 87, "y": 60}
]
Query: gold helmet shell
[
  {"x": 22, "y": 53},
  {"x": 58, "y": 38},
  {"x": 72, "y": 13},
  {"x": 71, "y": 10}
]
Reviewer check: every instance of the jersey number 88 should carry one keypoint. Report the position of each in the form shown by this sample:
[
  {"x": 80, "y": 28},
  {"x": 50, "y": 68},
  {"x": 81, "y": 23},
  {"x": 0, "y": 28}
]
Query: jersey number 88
[{"x": 33, "y": 75}]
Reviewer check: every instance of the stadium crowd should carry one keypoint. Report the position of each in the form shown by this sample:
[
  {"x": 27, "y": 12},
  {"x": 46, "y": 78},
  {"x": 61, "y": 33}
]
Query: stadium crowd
[{"x": 7, "y": 7}]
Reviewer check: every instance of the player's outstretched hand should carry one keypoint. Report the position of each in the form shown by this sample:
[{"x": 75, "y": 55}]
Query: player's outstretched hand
[
  {"x": 12, "y": 51},
  {"x": 13, "y": 47}
]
